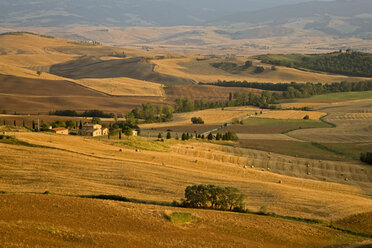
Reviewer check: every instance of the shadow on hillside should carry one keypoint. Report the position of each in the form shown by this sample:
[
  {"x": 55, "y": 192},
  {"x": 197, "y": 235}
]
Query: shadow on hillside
[{"x": 93, "y": 67}]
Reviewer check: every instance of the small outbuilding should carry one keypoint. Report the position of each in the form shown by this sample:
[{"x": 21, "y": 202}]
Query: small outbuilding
[{"x": 59, "y": 130}]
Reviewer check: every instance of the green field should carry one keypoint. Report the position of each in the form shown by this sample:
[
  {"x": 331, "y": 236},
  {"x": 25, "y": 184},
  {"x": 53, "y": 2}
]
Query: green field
[
  {"x": 355, "y": 95},
  {"x": 266, "y": 125},
  {"x": 292, "y": 148},
  {"x": 348, "y": 150}
]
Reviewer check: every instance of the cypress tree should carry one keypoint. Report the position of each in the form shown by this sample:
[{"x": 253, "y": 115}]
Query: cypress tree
[
  {"x": 210, "y": 136},
  {"x": 15, "y": 123},
  {"x": 33, "y": 124},
  {"x": 120, "y": 134},
  {"x": 183, "y": 136},
  {"x": 169, "y": 136}
]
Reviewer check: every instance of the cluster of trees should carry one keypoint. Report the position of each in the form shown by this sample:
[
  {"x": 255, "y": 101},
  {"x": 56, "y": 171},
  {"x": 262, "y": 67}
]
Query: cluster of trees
[
  {"x": 187, "y": 105},
  {"x": 150, "y": 113},
  {"x": 235, "y": 99},
  {"x": 366, "y": 157},
  {"x": 197, "y": 120},
  {"x": 259, "y": 69},
  {"x": 350, "y": 63},
  {"x": 295, "y": 90},
  {"x": 226, "y": 136},
  {"x": 213, "y": 197},
  {"x": 87, "y": 113}
]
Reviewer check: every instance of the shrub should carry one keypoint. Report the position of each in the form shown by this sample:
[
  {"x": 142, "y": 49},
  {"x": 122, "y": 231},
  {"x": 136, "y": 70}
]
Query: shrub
[
  {"x": 259, "y": 69},
  {"x": 197, "y": 120},
  {"x": 306, "y": 117},
  {"x": 366, "y": 157}
]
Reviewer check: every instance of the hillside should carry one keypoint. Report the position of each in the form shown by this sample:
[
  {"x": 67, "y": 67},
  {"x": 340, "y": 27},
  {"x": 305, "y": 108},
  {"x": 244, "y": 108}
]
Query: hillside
[{"x": 345, "y": 63}]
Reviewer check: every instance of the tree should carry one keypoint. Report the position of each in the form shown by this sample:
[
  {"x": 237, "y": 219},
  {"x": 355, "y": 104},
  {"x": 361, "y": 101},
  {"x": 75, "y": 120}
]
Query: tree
[
  {"x": 59, "y": 124},
  {"x": 127, "y": 131},
  {"x": 248, "y": 64},
  {"x": 96, "y": 120},
  {"x": 33, "y": 124},
  {"x": 259, "y": 69},
  {"x": 70, "y": 124},
  {"x": 169, "y": 136},
  {"x": 214, "y": 197},
  {"x": 306, "y": 117},
  {"x": 183, "y": 136},
  {"x": 160, "y": 136},
  {"x": 210, "y": 136},
  {"x": 120, "y": 134},
  {"x": 197, "y": 120},
  {"x": 15, "y": 123}
]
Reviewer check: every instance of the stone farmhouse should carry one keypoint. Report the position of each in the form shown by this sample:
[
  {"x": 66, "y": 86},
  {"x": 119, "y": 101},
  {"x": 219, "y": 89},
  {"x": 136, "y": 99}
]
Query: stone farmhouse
[{"x": 93, "y": 130}]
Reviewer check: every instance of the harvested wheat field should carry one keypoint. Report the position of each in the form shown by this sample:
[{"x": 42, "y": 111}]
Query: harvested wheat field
[
  {"x": 292, "y": 114},
  {"x": 50, "y": 220},
  {"x": 123, "y": 86},
  {"x": 26, "y": 95},
  {"x": 210, "y": 117},
  {"x": 201, "y": 70},
  {"x": 352, "y": 120},
  {"x": 73, "y": 168}
]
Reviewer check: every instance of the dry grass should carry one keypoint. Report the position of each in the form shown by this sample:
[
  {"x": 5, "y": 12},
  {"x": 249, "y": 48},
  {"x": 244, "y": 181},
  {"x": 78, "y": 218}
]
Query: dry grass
[
  {"x": 75, "y": 168},
  {"x": 353, "y": 124},
  {"x": 292, "y": 114},
  {"x": 48, "y": 220},
  {"x": 202, "y": 71},
  {"x": 124, "y": 86},
  {"x": 210, "y": 117}
]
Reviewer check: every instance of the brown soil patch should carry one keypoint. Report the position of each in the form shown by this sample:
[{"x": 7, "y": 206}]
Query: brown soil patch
[{"x": 24, "y": 95}]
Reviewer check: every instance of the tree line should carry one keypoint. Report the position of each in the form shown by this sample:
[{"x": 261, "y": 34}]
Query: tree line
[
  {"x": 87, "y": 113},
  {"x": 349, "y": 63},
  {"x": 298, "y": 90}
]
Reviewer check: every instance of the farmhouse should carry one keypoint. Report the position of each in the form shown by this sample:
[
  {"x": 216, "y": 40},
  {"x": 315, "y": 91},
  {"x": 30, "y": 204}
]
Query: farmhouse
[
  {"x": 93, "y": 130},
  {"x": 134, "y": 132},
  {"x": 59, "y": 130}
]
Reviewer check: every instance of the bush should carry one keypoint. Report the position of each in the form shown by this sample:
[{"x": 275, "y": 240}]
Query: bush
[
  {"x": 306, "y": 117},
  {"x": 197, "y": 120},
  {"x": 214, "y": 197},
  {"x": 259, "y": 69},
  {"x": 366, "y": 157}
]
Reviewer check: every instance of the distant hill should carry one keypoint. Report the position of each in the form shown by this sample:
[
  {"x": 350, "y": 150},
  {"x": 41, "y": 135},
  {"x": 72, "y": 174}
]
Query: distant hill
[
  {"x": 49, "y": 13},
  {"x": 340, "y": 17}
]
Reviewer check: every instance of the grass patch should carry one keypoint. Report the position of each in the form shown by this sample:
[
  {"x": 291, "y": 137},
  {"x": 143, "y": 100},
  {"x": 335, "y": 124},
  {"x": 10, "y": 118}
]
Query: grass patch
[
  {"x": 345, "y": 95},
  {"x": 144, "y": 144},
  {"x": 348, "y": 150},
  {"x": 180, "y": 218},
  {"x": 292, "y": 148},
  {"x": 12, "y": 140}
]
